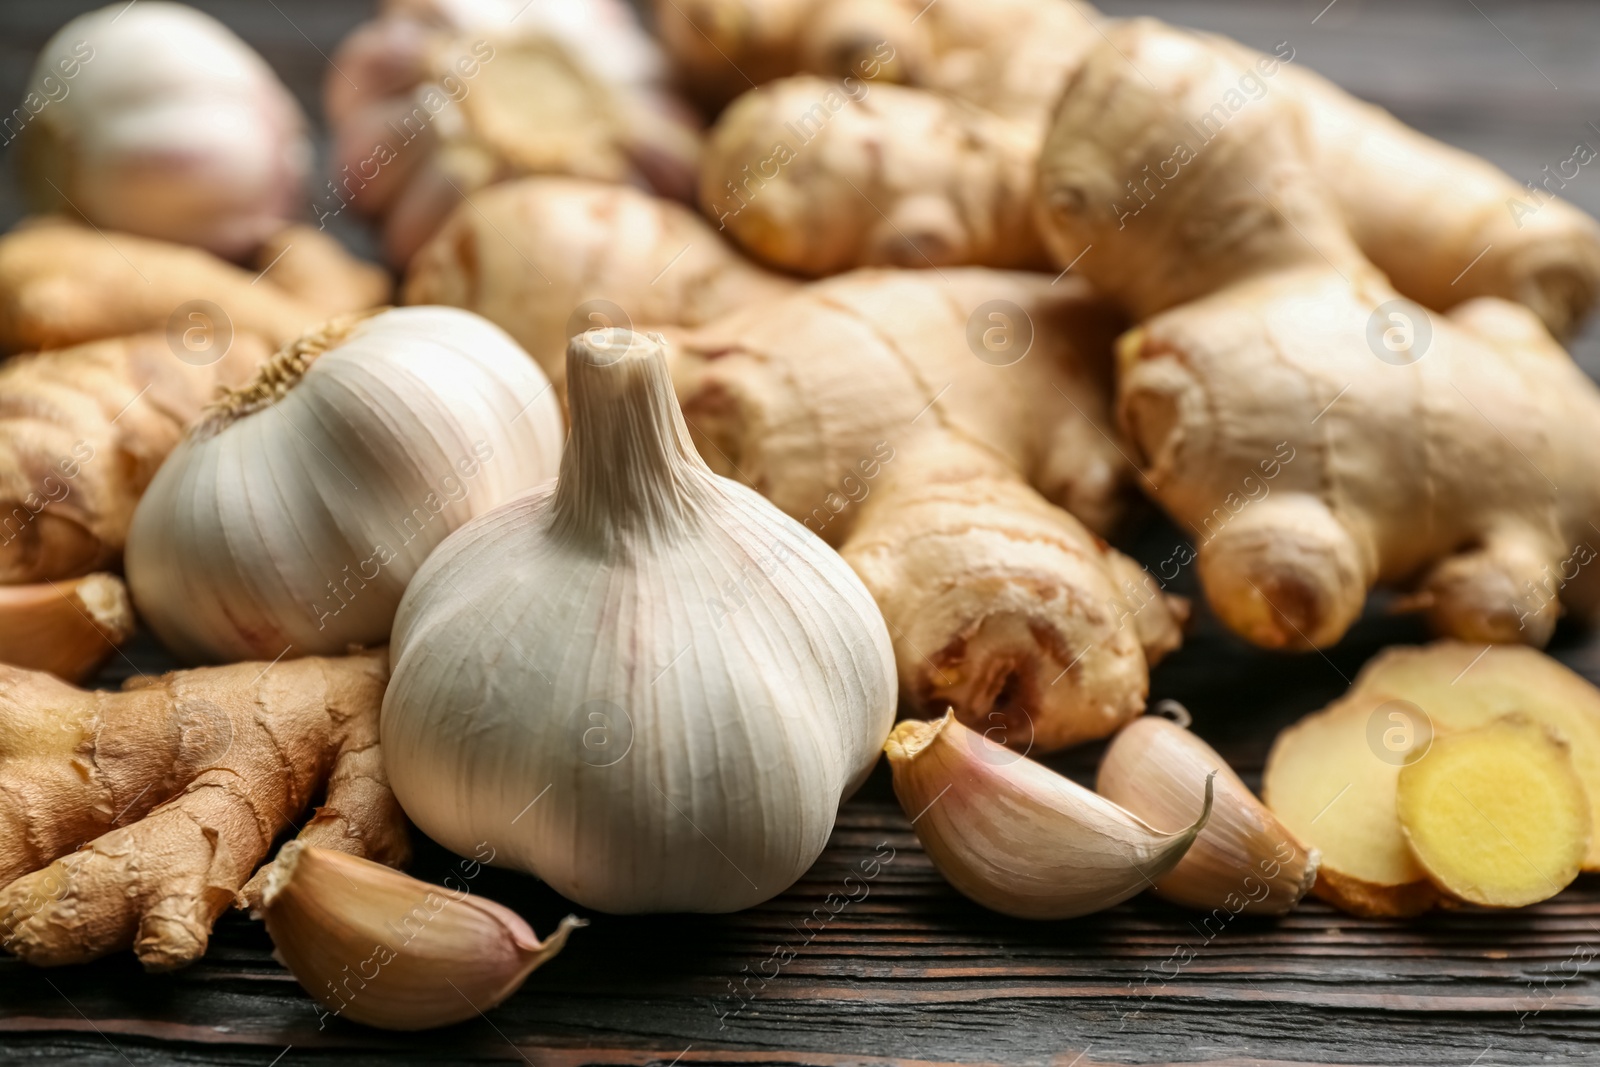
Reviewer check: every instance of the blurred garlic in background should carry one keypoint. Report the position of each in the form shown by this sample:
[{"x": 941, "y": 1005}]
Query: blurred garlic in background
[
  {"x": 434, "y": 99},
  {"x": 157, "y": 120}
]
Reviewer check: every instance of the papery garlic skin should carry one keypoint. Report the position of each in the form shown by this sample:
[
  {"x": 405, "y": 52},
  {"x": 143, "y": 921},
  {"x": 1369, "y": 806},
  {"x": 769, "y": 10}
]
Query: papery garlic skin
[
  {"x": 159, "y": 121},
  {"x": 1244, "y": 860},
  {"x": 646, "y": 685},
  {"x": 1017, "y": 837},
  {"x": 381, "y": 948},
  {"x": 291, "y": 519}
]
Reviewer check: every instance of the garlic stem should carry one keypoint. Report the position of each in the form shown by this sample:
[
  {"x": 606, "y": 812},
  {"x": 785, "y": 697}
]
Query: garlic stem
[{"x": 630, "y": 467}]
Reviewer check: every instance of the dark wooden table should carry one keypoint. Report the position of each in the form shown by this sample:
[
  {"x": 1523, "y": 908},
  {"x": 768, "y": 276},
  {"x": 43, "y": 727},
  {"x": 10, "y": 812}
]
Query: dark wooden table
[{"x": 913, "y": 972}]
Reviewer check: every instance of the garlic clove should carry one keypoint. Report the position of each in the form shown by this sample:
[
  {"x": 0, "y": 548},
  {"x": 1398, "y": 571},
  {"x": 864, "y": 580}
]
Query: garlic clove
[
  {"x": 1244, "y": 859},
  {"x": 67, "y": 628},
  {"x": 1017, "y": 837},
  {"x": 382, "y": 948}
]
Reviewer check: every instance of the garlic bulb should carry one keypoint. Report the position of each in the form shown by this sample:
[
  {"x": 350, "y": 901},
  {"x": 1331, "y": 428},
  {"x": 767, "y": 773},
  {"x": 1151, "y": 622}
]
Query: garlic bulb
[
  {"x": 1244, "y": 859},
  {"x": 291, "y": 518},
  {"x": 646, "y": 685},
  {"x": 1016, "y": 836},
  {"x": 155, "y": 119},
  {"x": 381, "y": 948}
]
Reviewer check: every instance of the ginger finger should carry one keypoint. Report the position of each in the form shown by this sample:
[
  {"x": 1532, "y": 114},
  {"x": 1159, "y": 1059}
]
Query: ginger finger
[
  {"x": 942, "y": 483},
  {"x": 911, "y": 179},
  {"x": 1276, "y": 371},
  {"x": 1001, "y": 606},
  {"x": 62, "y": 284},
  {"x": 544, "y": 258},
  {"x": 310, "y": 265},
  {"x": 82, "y": 431},
  {"x": 183, "y": 782},
  {"x": 67, "y": 628}
]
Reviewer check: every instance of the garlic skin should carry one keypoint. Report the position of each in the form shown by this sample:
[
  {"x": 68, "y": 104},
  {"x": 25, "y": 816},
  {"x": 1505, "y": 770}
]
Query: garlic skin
[
  {"x": 645, "y": 685},
  {"x": 1244, "y": 860},
  {"x": 158, "y": 121},
  {"x": 381, "y": 948},
  {"x": 1016, "y": 836},
  {"x": 68, "y": 628},
  {"x": 290, "y": 519}
]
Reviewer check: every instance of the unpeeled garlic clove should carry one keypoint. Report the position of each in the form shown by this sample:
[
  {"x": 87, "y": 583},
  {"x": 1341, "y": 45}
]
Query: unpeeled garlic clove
[
  {"x": 1244, "y": 859},
  {"x": 1017, "y": 837},
  {"x": 384, "y": 949},
  {"x": 67, "y": 628}
]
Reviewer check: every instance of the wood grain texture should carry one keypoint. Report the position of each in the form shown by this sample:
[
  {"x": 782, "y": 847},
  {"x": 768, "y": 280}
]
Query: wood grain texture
[{"x": 911, "y": 972}]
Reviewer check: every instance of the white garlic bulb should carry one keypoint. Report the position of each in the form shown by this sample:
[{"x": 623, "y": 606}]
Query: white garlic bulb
[
  {"x": 292, "y": 517},
  {"x": 646, "y": 685},
  {"x": 153, "y": 118}
]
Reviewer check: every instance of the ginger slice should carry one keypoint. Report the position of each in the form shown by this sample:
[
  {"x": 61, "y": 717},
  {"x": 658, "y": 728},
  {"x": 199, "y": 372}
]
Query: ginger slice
[
  {"x": 1333, "y": 792},
  {"x": 1496, "y": 815},
  {"x": 1332, "y": 776},
  {"x": 1495, "y": 682}
]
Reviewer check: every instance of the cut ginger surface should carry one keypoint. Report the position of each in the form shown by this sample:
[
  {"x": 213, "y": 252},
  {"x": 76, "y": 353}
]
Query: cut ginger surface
[{"x": 1496, "y": 815}]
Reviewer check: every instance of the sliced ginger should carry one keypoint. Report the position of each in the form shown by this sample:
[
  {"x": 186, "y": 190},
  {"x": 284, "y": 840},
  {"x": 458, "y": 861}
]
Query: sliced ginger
[
  {"x": 1333, "y": 776},
  {"x": 1496, "y": 815}
]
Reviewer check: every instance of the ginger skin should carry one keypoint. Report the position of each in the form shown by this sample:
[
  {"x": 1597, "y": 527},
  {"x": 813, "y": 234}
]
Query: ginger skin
[
  {"x": 62, "y": 283},
  {"x": 141, "y": 815},
  {"x": 1420, "y": 210},
  {"x": 953, "y": 184},
  {"x": 944, "y": 483},
  {"x": 529, "y": 255},
  {"x": 82, "y": 431},
  {"x": 1459, "y": 469}
]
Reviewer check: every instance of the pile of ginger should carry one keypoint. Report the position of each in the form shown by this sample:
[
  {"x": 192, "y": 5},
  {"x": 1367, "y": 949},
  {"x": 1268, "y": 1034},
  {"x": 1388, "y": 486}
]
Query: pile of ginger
[{"x": 956, "y": 286}]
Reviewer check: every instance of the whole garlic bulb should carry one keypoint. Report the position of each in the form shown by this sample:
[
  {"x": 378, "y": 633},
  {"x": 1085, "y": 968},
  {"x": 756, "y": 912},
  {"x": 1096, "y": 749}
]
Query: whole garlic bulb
[
  {"x": 155, "y": 119},
  {"x": 646, "y": 685},
  {"x": 292, "y": 517}
]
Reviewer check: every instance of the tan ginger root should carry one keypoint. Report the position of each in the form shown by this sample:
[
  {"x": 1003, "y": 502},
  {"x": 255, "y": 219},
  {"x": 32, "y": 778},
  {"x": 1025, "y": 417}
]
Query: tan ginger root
[
  {"x": 82, "y": 431},
  {"x": 67, "y": 628},
  {"x": 1459, "y": 466},
  {"x": 1423, "y": 212},
  {"x": 142, "y": 814},
  {"x": 1332, "y": 778},
  {"x": 62, "y": 283},
  {"x": 1010, "y": 57},
  {"x": 444, "y": 97},
  {"x": 910, "y": 179},
  {"x": 871, "y": 408},
  {"x": 312, "y": 266},
  {"x": 545, "y": 258}
]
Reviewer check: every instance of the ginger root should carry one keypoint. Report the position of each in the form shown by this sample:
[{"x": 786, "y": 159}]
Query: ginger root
[
  {"x": 1496, "y": 815},
  {"x": 455, "y": 96},
  {"x": 1315, "y": 433},
  {"x": 1422, "y": 211},
  {"x": 62, "y": 283},
  {"x": 545, "y": 258},
  {"x": 931, "y": 182},
  {"x": 944, "y": 483},
  {"x": 1333, "y": 777},
  {"x": 142, "y": 814},
  {"x": 82, "y": 431},
  {"x": 68, "y": 628}
]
